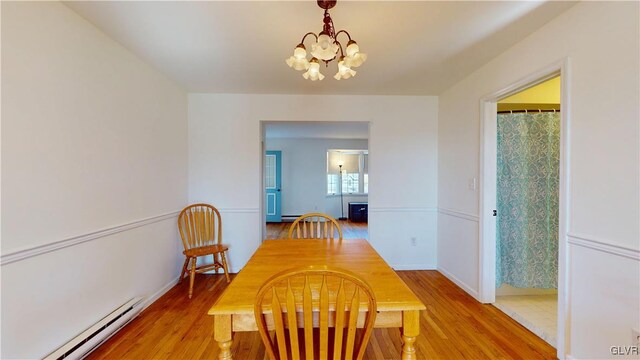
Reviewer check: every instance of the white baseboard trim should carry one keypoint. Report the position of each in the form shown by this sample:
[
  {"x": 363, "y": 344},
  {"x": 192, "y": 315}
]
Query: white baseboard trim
[
  {"x": 163, "y": 290},
  {"x": 459, "y": 214},
  {"x": 26, "y": 253},
  {"x": 569, "y": 357},
  {"x": 147, "y": 302},
  {"x": 232, "y": 270},
  {"x": 460, "y": 283},
  {"x": 414, "y": 267},
  {"x": 603, "y": 246}
]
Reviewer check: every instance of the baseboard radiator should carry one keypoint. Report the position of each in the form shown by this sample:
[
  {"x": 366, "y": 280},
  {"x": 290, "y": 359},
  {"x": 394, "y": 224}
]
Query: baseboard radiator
[
  {"x": 87, "y": 341},
  {"x": 290, "y": 218}
]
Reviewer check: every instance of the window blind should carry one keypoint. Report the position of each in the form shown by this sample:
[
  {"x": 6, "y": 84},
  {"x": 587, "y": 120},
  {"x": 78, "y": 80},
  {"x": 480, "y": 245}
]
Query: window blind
[{"x": 351, "y": 163}]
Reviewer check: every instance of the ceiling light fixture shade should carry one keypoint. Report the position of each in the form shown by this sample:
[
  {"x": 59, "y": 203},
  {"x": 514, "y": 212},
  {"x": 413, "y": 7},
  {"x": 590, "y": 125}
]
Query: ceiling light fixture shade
[
  {"x": 354, "y": 57},
  {"x": 313, "y": 73},
  {"x": 325, "y": 48},
  {"x": 299, "y": 59},
  {"x": 344, "y": 71}
]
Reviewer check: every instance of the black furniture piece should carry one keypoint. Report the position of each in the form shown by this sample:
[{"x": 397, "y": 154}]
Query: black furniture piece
[{"x": 358, "y": 211}]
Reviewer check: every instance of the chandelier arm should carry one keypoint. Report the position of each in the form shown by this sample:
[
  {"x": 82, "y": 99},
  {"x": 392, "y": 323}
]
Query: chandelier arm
[
  {"x": 340, "y": 46},
  {"x": 343, "y": 31},
  {"x": 307, "y": 34}
]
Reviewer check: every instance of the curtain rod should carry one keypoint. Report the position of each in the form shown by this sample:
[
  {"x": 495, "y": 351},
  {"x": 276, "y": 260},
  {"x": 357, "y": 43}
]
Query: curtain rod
[{"x": 525, "y": 111}]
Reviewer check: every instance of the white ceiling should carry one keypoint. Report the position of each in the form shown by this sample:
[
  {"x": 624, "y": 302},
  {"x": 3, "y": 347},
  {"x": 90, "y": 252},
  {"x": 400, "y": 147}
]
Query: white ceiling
[
  {"x": 414, "y": 48},
  {"x": 317, "y": 130}
]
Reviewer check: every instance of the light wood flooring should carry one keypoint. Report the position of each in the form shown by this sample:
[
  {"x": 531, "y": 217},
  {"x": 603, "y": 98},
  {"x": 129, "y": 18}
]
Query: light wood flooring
[
  {"x": 454, "y": 326},
  {"x": 350, "y": 230}
]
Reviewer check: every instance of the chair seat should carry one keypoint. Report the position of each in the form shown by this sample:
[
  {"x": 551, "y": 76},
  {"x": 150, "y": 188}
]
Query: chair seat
[{"x": 205, "y": 250}]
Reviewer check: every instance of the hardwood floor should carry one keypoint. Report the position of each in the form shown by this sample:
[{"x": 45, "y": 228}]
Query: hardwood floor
[
  {"x": 454, "y": 326},
  {"x": 350, "y": 230}
]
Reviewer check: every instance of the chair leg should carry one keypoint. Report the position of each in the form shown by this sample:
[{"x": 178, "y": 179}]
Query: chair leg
[
  {"x": 215, "y": 261},
  {"x": 224, "y": 266},
  {"x": 192, "y": 275},
  {"x": 184, "y": 270}
]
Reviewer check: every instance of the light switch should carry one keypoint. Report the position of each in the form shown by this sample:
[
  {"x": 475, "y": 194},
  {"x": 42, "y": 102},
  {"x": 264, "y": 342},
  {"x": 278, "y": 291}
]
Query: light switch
[{"x": 473, "y": 183}]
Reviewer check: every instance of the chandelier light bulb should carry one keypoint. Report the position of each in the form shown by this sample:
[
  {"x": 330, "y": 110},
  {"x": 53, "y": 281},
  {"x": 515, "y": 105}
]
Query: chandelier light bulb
[
  {"x": 313, "y": 73},
  {"x": 324, "y": 48},
  {"x": 299, "y": 59},
  {"x": 344, "y": 71},
  {"x": 354, "y": 57}
]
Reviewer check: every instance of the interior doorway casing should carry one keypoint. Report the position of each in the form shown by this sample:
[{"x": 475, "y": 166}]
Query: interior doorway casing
[
  {"x": 488, "y": 167},
  {"x": 263, "y": 149}
]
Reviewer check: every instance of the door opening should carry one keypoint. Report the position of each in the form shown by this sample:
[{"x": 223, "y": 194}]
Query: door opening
[
  {"x": 527, "y": 194},
  {"x": 315, "y": 167},
  {"x": 520, "y": 197}
]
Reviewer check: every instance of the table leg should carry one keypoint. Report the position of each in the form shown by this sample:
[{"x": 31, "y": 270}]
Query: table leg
[
  {"x": 222, "y": 334},
  {"x": 410, "y": 330}
]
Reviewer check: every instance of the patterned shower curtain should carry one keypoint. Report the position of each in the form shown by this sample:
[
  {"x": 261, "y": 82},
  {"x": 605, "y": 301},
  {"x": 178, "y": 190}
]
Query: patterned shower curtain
[{"x": 527, "y": 200}]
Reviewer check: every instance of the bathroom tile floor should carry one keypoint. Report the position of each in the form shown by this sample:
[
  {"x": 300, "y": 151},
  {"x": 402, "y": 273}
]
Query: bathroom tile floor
[{"x": 538, "y": 313}]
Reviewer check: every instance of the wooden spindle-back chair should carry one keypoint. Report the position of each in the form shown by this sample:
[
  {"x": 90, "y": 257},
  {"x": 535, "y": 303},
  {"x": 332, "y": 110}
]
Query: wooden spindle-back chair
[
  {"x": 315, "y": 226},
  {"x": 200, "y": 228},
  {"x": 332, "y": 300}
]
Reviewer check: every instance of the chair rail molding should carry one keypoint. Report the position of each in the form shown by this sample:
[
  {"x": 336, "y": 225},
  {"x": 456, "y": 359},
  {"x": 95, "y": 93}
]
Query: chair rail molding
[
  {"x": 239, "y": 210},
  {"x": 29, "y": 252},
  {"x": 458, "y": 214},
  {"x": 402, "y": 209},
  {"x": 603, "y": 246}
]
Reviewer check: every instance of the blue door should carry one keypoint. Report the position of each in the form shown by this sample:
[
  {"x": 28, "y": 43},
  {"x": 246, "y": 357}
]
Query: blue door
[{"x": 272, "y": 185}]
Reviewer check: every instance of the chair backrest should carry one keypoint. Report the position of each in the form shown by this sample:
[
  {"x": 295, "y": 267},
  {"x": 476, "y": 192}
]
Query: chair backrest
[
  {"x": 315, "y": 226},
  {"x": 200, "y": 225},
  {"x": 316, "y": 296}
]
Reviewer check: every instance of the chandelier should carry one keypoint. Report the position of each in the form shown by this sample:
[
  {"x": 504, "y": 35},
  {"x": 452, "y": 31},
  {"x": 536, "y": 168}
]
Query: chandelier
[{"x": 325, "y": 49}]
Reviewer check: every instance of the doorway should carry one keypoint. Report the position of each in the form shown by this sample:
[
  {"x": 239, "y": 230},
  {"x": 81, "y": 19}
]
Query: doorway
[
  {"x": 492, "y": 275},
  {"x": 315, "y": 167},
  {"x": 527, "y": 177}
]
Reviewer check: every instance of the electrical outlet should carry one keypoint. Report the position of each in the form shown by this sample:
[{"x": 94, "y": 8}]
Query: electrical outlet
[
  {"x": 635, "y": 336},
  {"x": 414, "y": 241}
]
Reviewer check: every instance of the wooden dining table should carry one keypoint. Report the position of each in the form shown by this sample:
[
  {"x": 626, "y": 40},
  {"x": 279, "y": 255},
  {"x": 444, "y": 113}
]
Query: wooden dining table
[{"x": 397, "y": 305}]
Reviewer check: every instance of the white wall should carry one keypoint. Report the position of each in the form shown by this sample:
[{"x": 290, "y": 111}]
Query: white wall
[
  {"x": 224, "y": 165},
  {"x": 602, "y": 41},
  {"x": 304, "y": 174},
  {"x": 92, "y": 139}
]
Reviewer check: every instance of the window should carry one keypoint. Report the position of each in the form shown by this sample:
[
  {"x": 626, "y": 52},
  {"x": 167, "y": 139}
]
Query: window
[
  {"x": 350, "y": 183},
  {"x": 355, "y": 177},
  {"x": 366, "y": 183},
  {"x": 332, "y": 183},
  {"x": 270, "y": 171}
]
